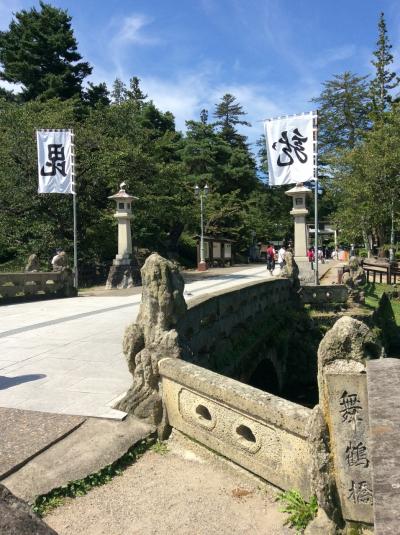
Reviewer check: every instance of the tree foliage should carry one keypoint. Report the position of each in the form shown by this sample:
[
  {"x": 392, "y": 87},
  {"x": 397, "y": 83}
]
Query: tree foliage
[
  {"x": 119, "y": 136},
  {"x": 39, "y": 51},
  {"x": 385, "y": 79},
  {"x": 358, "y": 140},
  {"x": 343, "y": 108}
]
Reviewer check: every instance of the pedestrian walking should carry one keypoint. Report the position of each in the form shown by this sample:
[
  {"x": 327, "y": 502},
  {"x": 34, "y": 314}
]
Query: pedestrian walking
[
  {"x": 271, "y": 258},
  {"x": 281, "y": 257},
  {"x": 311, "y": 256}
]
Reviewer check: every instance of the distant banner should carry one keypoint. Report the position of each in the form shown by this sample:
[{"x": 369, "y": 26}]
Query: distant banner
[
  {"x": 290, "y": 148},
  {"x": 55, "y": 161}
]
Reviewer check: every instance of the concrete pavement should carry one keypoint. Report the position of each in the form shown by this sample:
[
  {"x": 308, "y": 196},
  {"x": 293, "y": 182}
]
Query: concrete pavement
[{"x": 65, "y": 355}]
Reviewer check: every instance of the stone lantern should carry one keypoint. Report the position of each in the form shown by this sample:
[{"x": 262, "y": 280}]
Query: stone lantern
[
  {"x": 124, "y": 272},
  {"x": 299, "y": 212}
]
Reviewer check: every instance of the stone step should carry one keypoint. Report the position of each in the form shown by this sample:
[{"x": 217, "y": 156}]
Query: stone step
[{"x": 94, "y": 445}]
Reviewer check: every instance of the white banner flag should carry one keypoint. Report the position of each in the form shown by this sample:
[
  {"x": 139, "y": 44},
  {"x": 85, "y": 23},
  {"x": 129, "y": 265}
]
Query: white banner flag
[
  {"x": 55, "y": 161},
  {"x": 290, "y": 148}
]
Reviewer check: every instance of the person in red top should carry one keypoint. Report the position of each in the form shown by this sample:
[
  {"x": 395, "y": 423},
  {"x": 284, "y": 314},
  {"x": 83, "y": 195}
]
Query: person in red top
[
  {"x": 311, "y": 256},
  {"x": 270, "y": 258}
]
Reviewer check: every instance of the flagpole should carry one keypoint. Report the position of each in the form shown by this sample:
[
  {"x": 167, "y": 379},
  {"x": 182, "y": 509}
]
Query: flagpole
[
  {"x": 74, "y": 210},
  {"x": 316, "y": 281}
]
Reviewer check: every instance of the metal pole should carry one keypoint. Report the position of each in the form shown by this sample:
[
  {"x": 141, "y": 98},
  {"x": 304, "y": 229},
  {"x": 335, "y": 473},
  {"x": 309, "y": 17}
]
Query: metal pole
[
  {"x": 74, "y": 211},
  {"x": 391, "y": 251},
  {"x": 202, "y": 232},
  {"x": 75, "y": 244},
  {"x": 316, "y": 281}
]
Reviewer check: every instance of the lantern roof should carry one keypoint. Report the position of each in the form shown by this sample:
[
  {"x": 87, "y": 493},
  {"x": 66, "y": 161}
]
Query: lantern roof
[
  {"x": 122, "y": 195},
  {"x": 299, "y": 188}
]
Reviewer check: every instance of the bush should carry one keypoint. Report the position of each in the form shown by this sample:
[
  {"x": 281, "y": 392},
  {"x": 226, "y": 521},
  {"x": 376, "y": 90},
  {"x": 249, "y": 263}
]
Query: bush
[{"x": 363, "y": 253}]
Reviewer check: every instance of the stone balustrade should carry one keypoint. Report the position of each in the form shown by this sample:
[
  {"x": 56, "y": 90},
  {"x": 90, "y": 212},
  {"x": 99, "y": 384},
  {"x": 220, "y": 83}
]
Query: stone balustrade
[
  {"x": 323, "y": 295},
  {"x": 259, "y": 431},
  {"x": 14, "y": 286}
]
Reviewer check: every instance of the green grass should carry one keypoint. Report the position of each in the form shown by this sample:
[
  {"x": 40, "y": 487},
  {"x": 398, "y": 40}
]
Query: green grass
[
  {"x": 160, "y": 447},
  {"x": 299, "y": 510},
  {"x": 56, "y": 497},
  {"x": 373, "y": 293}
]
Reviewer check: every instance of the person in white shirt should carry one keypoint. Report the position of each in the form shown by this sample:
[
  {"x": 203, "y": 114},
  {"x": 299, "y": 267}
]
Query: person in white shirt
[{"x": 281, "y": 257}]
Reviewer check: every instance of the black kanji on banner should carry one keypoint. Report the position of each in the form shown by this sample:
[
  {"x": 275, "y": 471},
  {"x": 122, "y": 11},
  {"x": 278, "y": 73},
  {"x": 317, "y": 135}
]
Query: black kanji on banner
[
  {"x": 292, "y": 147},
  {"x": 56, "y": 161}
]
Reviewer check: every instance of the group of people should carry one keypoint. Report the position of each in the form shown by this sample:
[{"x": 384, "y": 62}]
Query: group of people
[{"x": 272, "y": 255}]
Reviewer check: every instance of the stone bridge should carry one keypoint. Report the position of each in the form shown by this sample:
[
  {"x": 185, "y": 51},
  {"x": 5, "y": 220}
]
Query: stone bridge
[{"x": 245, "y": 373}]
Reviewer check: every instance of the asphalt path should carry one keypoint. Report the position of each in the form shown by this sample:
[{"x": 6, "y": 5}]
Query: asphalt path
[{"x": 65, "y": 355}]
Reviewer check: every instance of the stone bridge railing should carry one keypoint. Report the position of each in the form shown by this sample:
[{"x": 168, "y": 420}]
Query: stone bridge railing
[
  {"x": 216, "y": 323},
  {"x": 261, "y": 432},
  {"x": 185, "y": 361},
  {"x": 14, "y": 286},
  {"x": 324, "y": 295}
]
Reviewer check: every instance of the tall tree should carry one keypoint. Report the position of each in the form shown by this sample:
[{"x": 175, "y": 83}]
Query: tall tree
[
  {"x": 229, "y": 113},
  {"x": 39, "y": 51},
  {"x": 385, "y": 79},
  {"x": 134, "y": 92},
  {"x": 118, "y": 92},
  {"x": 97, "y": 94},
  {"x": 343, "y": 107}
]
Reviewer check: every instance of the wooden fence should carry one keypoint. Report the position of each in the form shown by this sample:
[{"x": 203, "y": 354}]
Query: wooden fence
[{"x": 387, "y": 272}]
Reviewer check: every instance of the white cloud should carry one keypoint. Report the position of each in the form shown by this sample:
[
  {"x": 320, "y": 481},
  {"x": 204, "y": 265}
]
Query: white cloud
[
  {"x": 131, "y": 31},
  {"x": 189, "y": 93},
  {"x": 333, "y": 55}
]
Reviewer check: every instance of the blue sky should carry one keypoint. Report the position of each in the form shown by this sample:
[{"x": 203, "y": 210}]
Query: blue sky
[{"x": 272, "y": 55}]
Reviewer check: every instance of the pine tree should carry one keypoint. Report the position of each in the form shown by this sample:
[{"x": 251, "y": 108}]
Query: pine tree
[
  {"x": 118, "y": 92},
  {"x": 343, "y": 112},
  {"x": 134, "y": 92},
  {"x": 39, "y": 51},
  {"x": 228, "y": 114},
  {"x": 204, "y": 116},
  {"x": 385, "y": 80},
  {"x": 97, "y": 94}
]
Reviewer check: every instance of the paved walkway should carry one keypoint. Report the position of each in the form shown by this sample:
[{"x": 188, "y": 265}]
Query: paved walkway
[{"x": 65, "y": 355}]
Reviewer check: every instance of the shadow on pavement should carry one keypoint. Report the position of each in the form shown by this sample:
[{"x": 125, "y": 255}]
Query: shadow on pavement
[{"x": 8, "y": 382}]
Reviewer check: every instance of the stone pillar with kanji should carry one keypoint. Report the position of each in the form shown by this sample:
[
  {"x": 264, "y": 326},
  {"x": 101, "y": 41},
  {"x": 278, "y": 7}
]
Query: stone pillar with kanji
[
  {"x": 343, "y": 400},
  {"x": 124, "y": 273}
]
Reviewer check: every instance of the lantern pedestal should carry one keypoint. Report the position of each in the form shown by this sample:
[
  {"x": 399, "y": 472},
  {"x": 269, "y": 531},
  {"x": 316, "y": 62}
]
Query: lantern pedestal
[{"x": 125, "y": 271}]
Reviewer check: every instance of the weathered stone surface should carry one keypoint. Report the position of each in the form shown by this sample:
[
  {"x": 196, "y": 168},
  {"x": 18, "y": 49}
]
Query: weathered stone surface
[
  {"x": 384, "y": 418},
  {"x": 123, "y": 276},
  {"x": 24, "y": 434},
  {"x": 20, "y": 285},
  {"x": 291, "y": 270},
  {"x": 33, "y": 263},
  {"x": 94, "y": 445},
  {"x": 60, "y": 261},
  {"x": 259, "y": 431},
  {"x": 345, "y": 347},
  {"x": 323, "y": 483},
  {"x": 344, "y": 404},
  {"x": 356, "y": 275},
  {"x": 17, "y": 518},
  {"x": 153, "y": 336},
  {"x": 323, "y": 295},
  {"x": 322, "y": 524}
]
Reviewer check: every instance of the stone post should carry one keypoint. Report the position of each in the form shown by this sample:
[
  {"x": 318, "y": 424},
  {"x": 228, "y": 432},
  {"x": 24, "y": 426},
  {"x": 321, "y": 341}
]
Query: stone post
[
  {"x": 124, "y": 272},
  {"x": 342, "y": 383}
]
